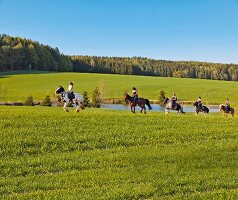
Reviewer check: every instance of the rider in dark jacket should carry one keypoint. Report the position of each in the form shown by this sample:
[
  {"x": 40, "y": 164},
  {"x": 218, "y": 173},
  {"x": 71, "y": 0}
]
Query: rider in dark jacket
[
  {"x": 135, "y": 94},
  {"x": 199, "y": 103}
]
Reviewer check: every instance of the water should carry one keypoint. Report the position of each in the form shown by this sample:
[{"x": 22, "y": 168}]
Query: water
[{"x": 159, "y": 108}]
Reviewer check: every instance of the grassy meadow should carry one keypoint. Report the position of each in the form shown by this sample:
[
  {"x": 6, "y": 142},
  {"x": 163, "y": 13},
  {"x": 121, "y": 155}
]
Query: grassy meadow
[
  {"x": 39, "y": 84},
  {"x": 107, "y": 154},
  {"x": 104, "y": 154}
]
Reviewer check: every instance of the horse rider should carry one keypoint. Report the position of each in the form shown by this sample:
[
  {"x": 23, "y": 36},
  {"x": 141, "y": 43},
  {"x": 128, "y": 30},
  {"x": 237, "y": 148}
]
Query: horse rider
[
  {"x": 70, "y": 91},
  {"x": 228, "y": 106},
  {"x": 135, "y": 94},
  {"x": 174, "y": 100},
  {"x": 199, "y": 103}
]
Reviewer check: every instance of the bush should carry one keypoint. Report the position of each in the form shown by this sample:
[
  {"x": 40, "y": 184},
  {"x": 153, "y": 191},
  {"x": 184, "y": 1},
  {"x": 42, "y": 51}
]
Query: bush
[
  {"x": 46, "y": 101},
  {"x": 96, "y": 98},
  {"x": 162, "y": 96},
  {"x": 29, "y": 101},
  {"x": 86, "y": 102}
]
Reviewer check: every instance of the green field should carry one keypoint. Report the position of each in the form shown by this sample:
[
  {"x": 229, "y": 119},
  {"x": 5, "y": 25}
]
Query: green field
[
  {"x": 40, "y": 84},
  {"x": 103, "y": 154}
]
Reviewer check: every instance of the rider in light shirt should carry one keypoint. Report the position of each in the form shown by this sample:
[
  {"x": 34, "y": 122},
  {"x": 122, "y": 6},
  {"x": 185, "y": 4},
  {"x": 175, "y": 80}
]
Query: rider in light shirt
[
  {"x": 70, "y": 90},
  {"x": 174, "y": 100},
  {"x": 228, "y": 106}
]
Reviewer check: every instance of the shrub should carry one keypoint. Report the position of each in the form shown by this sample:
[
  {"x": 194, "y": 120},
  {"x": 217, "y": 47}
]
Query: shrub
[
  {"x": 29, "y": 101},
  {"x": 86, "y": 102},
  {"x": 96, "y": 98},
  {"x": 162, "y": 96},
  {"x": 46, "y": 101}
]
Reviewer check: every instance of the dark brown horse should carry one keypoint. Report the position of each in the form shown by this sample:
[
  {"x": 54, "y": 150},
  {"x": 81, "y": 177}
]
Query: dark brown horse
[
  {"x": 140, "y": 102},
  {"x": 203, "y": 109},
  {"x": 226, "y": 111}
]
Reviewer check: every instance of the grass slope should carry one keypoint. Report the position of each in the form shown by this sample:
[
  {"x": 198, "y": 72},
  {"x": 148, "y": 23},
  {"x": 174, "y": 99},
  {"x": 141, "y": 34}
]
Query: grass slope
[
  {"x": 19, "y": 86},
  {"x": 103, "y": 154}
]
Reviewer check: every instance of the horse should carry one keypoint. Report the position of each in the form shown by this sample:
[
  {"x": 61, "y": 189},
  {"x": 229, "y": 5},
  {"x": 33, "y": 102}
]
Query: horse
[
  {"x": 77, "y": 102},
  {"x": 140, "y": 102},
  {"x": 225, "y": 111},
  {"x": 168, "y": 106},
  {"x": 203, "y": 109}
]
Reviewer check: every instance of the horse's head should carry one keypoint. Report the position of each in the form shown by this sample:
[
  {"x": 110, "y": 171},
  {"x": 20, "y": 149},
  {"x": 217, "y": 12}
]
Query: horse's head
[
  {"x": 195, "y": 104},
  {"x": 222, "y": 107},
  {"x": 125, "y": 96},
  {"x": 59, "y": 90},
  {"x": 166, "y": 100}
]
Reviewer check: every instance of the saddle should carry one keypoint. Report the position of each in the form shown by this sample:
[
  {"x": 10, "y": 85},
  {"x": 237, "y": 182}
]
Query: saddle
[
  {"x": 228, "y": 108},
  {"x": 174, "y": 105},
  {"x": 71, "y": 96}
]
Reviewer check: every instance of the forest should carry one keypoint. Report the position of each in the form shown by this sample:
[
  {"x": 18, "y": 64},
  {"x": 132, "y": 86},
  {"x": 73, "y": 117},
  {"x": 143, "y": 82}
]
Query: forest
[{"x": 24, "y": 54}]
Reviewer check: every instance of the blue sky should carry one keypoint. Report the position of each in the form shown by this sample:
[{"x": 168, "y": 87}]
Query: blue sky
[{"x": 200, "y": 30}]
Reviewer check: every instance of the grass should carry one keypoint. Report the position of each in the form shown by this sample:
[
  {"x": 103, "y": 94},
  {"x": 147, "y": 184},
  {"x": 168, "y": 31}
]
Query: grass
[
  {"x": 103, "y": 154},
  {"x": 37, "y": 84}
]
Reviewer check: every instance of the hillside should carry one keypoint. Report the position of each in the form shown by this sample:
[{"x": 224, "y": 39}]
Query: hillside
[{"x": 18, "y": 86}]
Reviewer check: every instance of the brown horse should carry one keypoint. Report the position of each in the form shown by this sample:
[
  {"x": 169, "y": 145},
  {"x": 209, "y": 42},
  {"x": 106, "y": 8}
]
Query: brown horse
[
  {"x": 226, "y": 111},
  {"x": 140, "y": 102}
]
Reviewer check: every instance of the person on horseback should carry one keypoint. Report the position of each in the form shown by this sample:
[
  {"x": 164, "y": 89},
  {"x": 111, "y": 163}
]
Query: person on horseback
[
  {"x": 228, "y": 106},
  {"x": 70, "y": 91},
  {"x": 135, "y": 94},
  {"x": 199, "y": 103},
  {"x": 174, "y": 100}
]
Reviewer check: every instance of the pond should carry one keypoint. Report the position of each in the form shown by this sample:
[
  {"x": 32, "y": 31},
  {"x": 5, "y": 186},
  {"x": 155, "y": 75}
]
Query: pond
[{"x": 159, "y": 108}]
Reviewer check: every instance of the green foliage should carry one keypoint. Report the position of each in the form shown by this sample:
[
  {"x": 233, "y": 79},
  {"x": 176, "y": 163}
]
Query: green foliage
[
  {"x": 20, "y": 53},
  {"x": 146, "y": 66},
  {"x": 162, "y": 96},
  {"x": 46, "y": 101},
  {"x": 96, "y": 98},
  {"x": 29, "y": 101},
  {"x": 23, "y": 54},
  {"x": 103, "y": 154},
  {"x": 86, "y": 101}
]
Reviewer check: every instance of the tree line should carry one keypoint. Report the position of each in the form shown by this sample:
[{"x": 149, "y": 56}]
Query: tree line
[{"x": 23, "y": 54}]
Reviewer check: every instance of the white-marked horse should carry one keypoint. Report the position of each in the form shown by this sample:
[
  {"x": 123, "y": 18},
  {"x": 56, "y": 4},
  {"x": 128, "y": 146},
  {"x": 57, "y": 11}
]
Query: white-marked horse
[
  {"x": 77, "y": 101},
  {"x": 168, "y": 106}
]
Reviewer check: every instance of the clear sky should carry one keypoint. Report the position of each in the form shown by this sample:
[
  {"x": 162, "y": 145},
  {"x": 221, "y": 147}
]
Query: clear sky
[{"x": 199, "y": 30}]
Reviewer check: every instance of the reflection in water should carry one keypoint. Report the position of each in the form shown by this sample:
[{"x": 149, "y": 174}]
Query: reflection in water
[{"x": 157, "y": 107}]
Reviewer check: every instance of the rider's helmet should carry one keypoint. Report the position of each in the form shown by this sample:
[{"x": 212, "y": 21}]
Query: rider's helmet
[
  {"x": 71, "y": 82},
  {"x": 133, "y": 88}
]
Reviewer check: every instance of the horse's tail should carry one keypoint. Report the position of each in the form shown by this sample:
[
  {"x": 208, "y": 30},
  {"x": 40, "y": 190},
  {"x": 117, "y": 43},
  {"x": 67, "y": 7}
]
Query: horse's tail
[
  {"x": 147, "y": 102},
  {"x": 182, "y": 110},
  {"x": 207, "y": 110}
]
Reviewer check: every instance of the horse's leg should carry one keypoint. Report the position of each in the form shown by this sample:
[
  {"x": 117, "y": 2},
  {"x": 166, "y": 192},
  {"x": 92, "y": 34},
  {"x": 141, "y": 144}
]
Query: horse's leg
[
  {"x": 131, "y": 109},
  {"x": 77, "y": 107},
  {"x": 144, "y": 109},
  {"x": 65, "y": 107}
]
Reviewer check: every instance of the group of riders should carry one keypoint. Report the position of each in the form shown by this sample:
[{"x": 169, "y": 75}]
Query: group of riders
[
  {"x": 174, "y": 100},
  {"x": 136, "y": 98}
]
